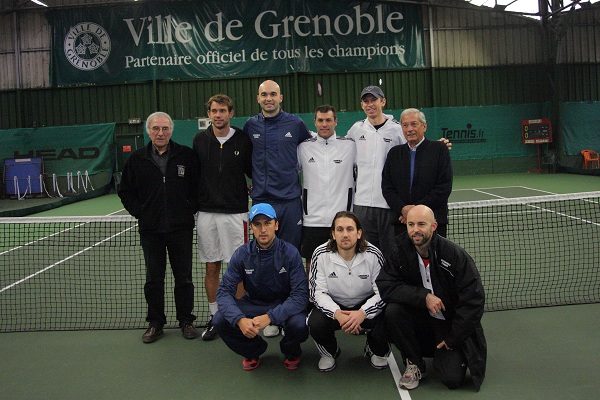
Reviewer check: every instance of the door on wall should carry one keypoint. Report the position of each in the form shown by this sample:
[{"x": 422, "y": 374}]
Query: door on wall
[{"x": 124, "y": 147}]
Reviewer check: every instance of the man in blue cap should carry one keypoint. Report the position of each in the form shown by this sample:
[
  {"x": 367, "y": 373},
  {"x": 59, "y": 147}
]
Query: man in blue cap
[{"x": 273, "y": 275}]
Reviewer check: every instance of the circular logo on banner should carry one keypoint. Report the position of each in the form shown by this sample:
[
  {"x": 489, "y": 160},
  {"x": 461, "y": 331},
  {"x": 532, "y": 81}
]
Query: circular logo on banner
[{"x": 87, "y": 46}]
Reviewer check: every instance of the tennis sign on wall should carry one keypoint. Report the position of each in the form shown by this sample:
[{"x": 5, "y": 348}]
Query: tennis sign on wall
[{"x": 212, "y": 38}]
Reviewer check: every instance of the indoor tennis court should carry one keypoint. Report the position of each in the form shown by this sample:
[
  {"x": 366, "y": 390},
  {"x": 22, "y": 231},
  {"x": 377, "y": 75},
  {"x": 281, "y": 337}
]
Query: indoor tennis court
[{"x": 83, "y": 306}]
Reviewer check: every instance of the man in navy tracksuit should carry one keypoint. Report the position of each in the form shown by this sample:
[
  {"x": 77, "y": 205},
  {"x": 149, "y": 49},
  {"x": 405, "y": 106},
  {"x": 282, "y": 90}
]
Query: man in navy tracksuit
[
  {"x": 275, "y": 136},
  {"x": 159, "y": 187},
  {"x": 277, "y": 293}
]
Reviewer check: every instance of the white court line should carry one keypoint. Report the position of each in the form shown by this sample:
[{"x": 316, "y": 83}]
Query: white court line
[
  {"x": 114, "y": 212},
  {"x": 482, "y": 190},
  {"x": 59, "y": 262},
  {"x": 503, "y": 187},
  {"x": 65, "y": 259},
  {"x": 54, "y": 234},
  {"x": 487, "y": 193},
  {"x": 40, "y": 239},
  {"x": 404, "y": 394},
  {"x": 535, "y": 190},
  {"x": 486, "y": 188},
  {"x": 564, "y": 215}
]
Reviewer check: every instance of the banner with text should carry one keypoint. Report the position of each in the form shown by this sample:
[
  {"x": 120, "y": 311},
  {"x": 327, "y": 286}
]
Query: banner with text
[
  {"x": 213, "y": 39},
  {"x": 484, "y": 132},
  {"x": 65, "y": 149}
]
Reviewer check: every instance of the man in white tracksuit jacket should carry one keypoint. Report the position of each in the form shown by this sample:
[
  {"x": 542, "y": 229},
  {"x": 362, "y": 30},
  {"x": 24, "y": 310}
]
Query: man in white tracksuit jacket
[
  {"x": 328, "y": 166},
  {"x": 343, "y": 290},
  {"x": 374, "y": 137}
]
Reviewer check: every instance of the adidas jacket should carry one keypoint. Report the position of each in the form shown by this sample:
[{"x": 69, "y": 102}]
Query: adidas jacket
[
  {"x": 372, "y": 147},
  {"x": 334, "y": 286},
  {"x": 275, "y": 143},
  {"x": 274, "y": 276},
  {"x": 328, "y": 170}
]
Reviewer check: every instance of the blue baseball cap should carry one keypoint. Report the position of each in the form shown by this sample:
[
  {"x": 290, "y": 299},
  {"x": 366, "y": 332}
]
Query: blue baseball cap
[{"x": 264, "y": 209}]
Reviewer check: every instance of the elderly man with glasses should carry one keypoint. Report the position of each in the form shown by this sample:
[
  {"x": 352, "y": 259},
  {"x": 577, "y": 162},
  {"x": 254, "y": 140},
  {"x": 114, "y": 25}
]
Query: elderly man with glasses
[{"x": 159, "y": 187}]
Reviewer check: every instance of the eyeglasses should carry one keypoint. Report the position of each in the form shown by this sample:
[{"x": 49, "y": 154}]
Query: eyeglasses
[
  {"x": 413, "y": 124},
  {"x": 159, "y": 128}
]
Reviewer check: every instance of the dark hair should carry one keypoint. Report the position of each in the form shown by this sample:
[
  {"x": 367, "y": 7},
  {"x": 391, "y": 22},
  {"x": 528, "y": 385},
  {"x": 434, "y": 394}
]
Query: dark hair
[
  {"x": 220, "y": 99},
  {"x": 325, "y": 108},
  {"x": 361, "y": 244}
]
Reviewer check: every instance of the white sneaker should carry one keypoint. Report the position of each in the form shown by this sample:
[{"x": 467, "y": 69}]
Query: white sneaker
[
  {"x": 327, "y": 363},
  {"x": 377, "y": 362},
  {"x": 410, "y": 378},
  {"x": 271, "y": 331}
]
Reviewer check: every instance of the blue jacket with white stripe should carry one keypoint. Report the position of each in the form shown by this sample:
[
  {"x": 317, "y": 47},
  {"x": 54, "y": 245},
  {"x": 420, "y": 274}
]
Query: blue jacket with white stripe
[
  {"x": 274, "y": 156},
  {"x": 273, "y": 276}
]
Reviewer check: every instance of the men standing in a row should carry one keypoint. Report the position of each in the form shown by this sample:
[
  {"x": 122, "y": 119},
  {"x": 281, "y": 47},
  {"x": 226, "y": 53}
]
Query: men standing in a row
[
  {"x": 275, "y": 135},
  {"x": 374, "y": 138},
  {"x": 225, "y": 156},
  {"x": 159, "y": 187},
  {"x": 328, "y": 164},
  {"x": 418, "y": 172}
]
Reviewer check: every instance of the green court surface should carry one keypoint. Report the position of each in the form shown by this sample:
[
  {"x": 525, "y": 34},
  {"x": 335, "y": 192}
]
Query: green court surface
[
  {"x": 541, "y": 353},
  {"x": 534, "y": 353}
]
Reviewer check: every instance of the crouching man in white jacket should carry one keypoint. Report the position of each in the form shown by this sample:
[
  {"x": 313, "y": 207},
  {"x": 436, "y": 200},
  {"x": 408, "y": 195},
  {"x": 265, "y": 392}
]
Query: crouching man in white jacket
[{"x": 343, "y": 290}]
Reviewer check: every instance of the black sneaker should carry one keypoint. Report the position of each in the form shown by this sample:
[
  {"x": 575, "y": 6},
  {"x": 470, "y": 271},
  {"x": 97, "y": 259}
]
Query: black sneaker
[{"x": 210, "y": 333}]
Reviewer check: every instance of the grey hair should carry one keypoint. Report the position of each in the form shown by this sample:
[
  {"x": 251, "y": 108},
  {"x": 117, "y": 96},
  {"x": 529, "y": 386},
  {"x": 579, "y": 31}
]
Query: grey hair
[
  {"x": 409, "y": 111},
  {"x": 155, "y": 115}
]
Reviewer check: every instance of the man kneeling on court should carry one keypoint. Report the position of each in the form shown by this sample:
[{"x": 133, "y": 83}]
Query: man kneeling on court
[
  {"x": 435, "y": 302},
  {"x": 343, "y": 290},
  {"x": 277, "y": 293}
]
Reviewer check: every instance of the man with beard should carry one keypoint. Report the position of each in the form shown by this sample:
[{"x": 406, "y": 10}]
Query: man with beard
[
  {"x": 434, "y": 303},
  {"x": 342, "y": 288}
]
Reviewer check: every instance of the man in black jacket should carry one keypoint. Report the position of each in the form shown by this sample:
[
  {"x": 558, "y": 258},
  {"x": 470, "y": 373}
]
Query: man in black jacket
[
  {"x": 159, "y": 187},
  {"x": 435, "y": 302},
  {"x": 417, "y": 172},
  {"x": 225, "y": 156}
]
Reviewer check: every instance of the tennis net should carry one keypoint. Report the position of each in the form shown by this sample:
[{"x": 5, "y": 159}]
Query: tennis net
[
  {"x": 532, "y": 251},
  {"x": 72, "y": 273}
]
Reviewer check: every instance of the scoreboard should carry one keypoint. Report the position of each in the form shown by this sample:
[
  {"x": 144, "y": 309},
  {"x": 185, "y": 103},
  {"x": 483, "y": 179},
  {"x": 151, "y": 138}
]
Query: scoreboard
[{"x": 536, "y": 131}]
